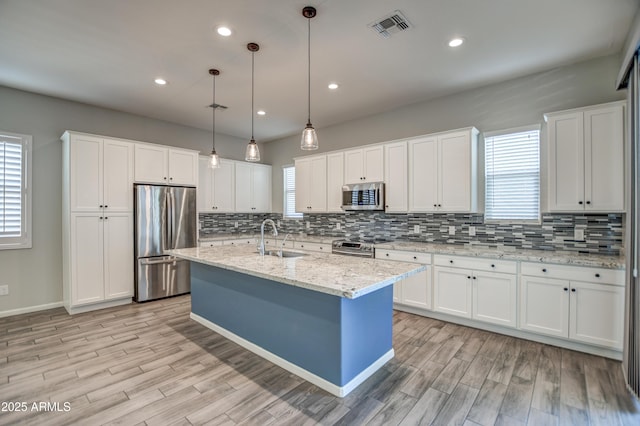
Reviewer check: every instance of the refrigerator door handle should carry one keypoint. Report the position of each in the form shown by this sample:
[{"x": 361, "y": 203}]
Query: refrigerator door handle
[
  {"x": 171, "y": 260},
  {"x": 172, "y": 218}
]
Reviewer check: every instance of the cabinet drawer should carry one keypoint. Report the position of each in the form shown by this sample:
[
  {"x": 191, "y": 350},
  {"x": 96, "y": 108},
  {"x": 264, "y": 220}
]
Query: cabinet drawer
[
  {"x": 277, "y": 243},
  {"x": 574, "y": 273},
  {"x": 476, "y": 263},
  {"x": 210, "y": 243},
  {"x": 404, "y": 256},
  {"x": 240, "y": 242},
  {"x": 319, "y": 247}
]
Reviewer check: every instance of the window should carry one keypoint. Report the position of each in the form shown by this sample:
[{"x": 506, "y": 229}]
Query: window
[
  {"x": 15, "y": 191},
  {"x": 289, "y": 193},
  {"x": 512, "y": 175}
]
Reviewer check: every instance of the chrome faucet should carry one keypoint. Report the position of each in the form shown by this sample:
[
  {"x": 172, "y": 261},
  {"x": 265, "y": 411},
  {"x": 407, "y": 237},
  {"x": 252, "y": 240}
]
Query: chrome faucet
[
  {"x": 282, "y": 245},
  {"x": 275, "y": 234}
]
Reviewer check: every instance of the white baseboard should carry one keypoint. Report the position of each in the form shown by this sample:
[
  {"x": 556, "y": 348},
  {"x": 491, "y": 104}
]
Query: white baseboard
[
  {"x": 334, "y": 389},
  {"x": 30, "y": 309},
  {"x": 95, "y": 306}
]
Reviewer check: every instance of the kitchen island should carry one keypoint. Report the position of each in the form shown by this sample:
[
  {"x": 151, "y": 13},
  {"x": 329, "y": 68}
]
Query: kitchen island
[{"x": 326, "y": 318}]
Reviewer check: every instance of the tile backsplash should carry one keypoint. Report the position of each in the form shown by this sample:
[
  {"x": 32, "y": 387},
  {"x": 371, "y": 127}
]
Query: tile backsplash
[{"x": 603, "y": 233}]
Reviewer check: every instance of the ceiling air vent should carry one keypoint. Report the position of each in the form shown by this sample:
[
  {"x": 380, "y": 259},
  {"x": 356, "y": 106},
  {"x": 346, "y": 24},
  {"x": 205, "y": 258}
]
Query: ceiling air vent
[
  {"x": 218, "y": 106},
  {"x": 390, "y": 24}
]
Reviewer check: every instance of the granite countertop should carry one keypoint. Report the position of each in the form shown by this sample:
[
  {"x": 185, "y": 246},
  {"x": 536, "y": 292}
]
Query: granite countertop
[
  {"x": 558, "y": 257},
  {"x": 343, "y": 276}
]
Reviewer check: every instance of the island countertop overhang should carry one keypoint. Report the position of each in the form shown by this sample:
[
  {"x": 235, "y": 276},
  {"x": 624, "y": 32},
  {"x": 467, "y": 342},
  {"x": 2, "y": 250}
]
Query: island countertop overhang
[{"x": 342, "y": 276}]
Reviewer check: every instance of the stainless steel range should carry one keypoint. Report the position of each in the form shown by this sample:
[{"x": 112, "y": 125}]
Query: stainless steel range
[{"x": 352, "y": 248}]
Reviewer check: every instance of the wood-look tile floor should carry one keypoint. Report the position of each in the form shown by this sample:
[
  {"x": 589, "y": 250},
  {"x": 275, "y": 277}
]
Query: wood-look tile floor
[{"x": 150, "y": 364}]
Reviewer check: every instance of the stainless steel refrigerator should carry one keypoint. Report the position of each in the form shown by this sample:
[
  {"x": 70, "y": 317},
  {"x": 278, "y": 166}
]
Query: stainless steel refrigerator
[{"x": 165, "y": 218}]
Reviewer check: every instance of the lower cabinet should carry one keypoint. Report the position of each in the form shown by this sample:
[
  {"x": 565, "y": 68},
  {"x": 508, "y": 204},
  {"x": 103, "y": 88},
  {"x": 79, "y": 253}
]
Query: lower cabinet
[
  {"x": 452, "y": 291},
  {"x": 579, "y": 303},
  {"x": 415, "y": 290}
]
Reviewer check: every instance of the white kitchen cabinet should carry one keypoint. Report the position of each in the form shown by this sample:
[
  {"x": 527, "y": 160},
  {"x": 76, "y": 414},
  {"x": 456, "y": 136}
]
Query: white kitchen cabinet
[
  {"x": 579, "y": 303},
  {"x": 415, "y": 290},
  {"x": 252, "y": 188},
  {"x": 163, "y": 165},
  {"x": 216, "y": 189},
  {"x": 495, "y": 298},
  {"x": 364, "y": 165},
  {"x": 311, "y": 184},
  {"x": 395, "y": 177},
  {"x": 443, "y": 172},
  {"x": 586, "y": 159},
  {"x": 100, "y": 173},
  {"x": 452, "y": 291},
  {"x": 311, "y": 246},
  {"x": 335, "y": 181}
]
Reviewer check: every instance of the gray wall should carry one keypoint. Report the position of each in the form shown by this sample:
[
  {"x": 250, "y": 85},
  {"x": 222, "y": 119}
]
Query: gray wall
[
  {"x": 34, "y": 275},
  {"x": 518, "y": 102}
]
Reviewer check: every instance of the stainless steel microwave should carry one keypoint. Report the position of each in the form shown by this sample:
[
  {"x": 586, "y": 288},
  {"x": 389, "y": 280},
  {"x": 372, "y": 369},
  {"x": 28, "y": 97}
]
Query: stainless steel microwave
[{"x": 363, "y": 196}]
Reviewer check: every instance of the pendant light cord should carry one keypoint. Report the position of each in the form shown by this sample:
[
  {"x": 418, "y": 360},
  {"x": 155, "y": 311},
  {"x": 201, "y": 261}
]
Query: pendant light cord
[
  {"x": 252, "y": 84},
  {"x": 309, "y": 69},
  {"x": 213, "y": 114}
]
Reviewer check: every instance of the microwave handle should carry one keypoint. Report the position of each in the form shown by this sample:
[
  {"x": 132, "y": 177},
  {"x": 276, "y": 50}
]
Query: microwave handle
[{"x": 378, "y": 201}]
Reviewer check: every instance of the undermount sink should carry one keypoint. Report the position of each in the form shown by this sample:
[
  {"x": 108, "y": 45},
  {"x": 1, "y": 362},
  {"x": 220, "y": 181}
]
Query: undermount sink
[{"x": 284, "y": 253}]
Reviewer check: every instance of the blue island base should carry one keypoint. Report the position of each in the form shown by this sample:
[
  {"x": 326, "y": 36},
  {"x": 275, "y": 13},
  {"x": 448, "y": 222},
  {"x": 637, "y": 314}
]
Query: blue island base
[{"x": 333, "y": 342}]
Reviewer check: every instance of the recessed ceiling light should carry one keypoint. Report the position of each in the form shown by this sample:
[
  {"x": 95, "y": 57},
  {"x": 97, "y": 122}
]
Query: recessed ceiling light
[
  {"x": 160, "y": 81},
  {"x": 333, "y": 86},
  {"x": 224, "y": 31},
  {"x": 261, "y": 112},
  {"x": 455, "y": 42}
]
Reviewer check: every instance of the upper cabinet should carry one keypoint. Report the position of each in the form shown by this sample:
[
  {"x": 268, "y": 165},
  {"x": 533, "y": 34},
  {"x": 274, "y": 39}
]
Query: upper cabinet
[
  {"x": 164, "y": 165},
  {"x": 311, "y": 184},
  {"x": 364, "y": 165},
  {"x": 252, "y": 188},
  {"x": 443, "y": 172},
  {"x": 216, "y": 188},
  {"x": 586, "y": 159},
  {"x": 335, "y": 180},
  {"x": 395, "y": 177},
  {"x": 100, "y": 173}
]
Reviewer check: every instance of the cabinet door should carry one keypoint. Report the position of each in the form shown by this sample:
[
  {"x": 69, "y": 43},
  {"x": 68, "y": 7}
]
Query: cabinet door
[
  {"x": 204, "y": 193},
  {"x": 604, "y": 159},
  {"x": 423, "y": 174},
  {"x": 335, "y": 180},
  {"x": 373, "y": 163},
  {"x": 87, "y": 273},
  {"x": 495, "y": 298},
  {"x": 565, "y": 138},
  {"x": 85, "y": 169},
  {"x": 597, "y": 314},
  {"x": 243, "y": 181},
  {"x": 261, "y": 189},
  {"x": 452, "y": 291},
  {"x": 416, "y": 290},
  {"x": 397, "y": 291},
  {"x": 150, "y": 164},
  {"x": 118, "y": 176},
  {"x": 454, "y": 171},
  {"x": 303, "y": 189},
  {"x": 183, "y": 167},
  {"x": 353, "y": 167},
  {"x": 317, "y": 185},
  {"x": 544, "y": 304},
  {"x": 223, "y": 190},
  {"x": 118, "y": 255},
  {"x": 395, "y": 177}
]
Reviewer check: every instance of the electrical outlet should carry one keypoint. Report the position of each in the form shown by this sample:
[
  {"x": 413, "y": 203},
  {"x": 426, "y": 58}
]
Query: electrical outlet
[
  {"x": 472, "y": 231},
  {"x": 416, "y": 229},
  {"x": 308, "y": 225},
  {"x": 578, "y": 234},
  {"x": 338, "y": 226},
  {"x": 4, "y": 290},
  {"x": 235, "y": 224},
  {"x": 278, "y": 223},
  {"x": 452, "y": 230}
]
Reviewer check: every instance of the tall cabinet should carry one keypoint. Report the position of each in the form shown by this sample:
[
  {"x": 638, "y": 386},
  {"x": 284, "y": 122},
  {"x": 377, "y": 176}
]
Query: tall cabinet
[{"x": 97, "y": 222}]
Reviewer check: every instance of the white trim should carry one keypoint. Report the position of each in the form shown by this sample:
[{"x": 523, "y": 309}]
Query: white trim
[
  {"x": 339, "y": 391},
  {"x": 30, "y": 309},
  {"x": 72, "y": 310},
  {"x": 520, "y": 129}
]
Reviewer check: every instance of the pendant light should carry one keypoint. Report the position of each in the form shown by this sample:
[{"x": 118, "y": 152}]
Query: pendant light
[
  {"x": 252, "y": 153},
  {"x": 214, "y": 160},
  {"x": 309, "y": 139}
]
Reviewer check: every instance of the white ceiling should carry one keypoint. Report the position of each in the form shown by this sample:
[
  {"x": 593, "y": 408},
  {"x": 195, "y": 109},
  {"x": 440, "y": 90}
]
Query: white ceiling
[{"x": 107, "y": 53}]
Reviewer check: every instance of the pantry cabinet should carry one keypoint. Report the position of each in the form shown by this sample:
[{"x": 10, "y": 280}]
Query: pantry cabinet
[
  {"x": 311, "y": 184},
  {"x": 252, "y": 188},
  {"x": 579, "y": 303},
  {"x": 586, "y": 159},
  {"x": 395, "y": 177},
  {"x": 442, "y": 172},
  {"x": 216, "y": 188},
  {"x": 159, "y": 164},
  {"x": 364, "y": 165}
]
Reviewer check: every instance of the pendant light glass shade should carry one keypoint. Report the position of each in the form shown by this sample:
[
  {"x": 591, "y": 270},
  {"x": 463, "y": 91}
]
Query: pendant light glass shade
[
  {"x": 252, "y": 153},
  {"x": 309, "y": 139},
  {"x": 214, "y": 160}
]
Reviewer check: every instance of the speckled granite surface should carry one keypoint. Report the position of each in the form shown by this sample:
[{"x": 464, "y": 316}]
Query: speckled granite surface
[
  {"x": 343, "y": 276},
  {"x": 558, "y": 257}
]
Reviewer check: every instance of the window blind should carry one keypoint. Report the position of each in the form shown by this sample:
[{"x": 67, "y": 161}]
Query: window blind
[
  {"x": 512, "y": 175},
  {"x": 11, "y": 184},
  {"x": 289, "y": 209}
]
